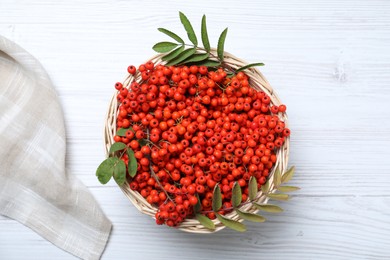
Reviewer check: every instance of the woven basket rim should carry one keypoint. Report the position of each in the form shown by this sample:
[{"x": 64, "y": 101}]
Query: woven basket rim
[{"x": 257, "y": 81}]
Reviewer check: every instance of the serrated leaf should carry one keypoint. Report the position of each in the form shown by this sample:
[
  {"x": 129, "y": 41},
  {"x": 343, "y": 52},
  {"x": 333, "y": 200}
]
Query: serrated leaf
[
  {"x": 117, "y": 147},
  {"x": 277, "y": 177},
  {"x": 188, "y": 27},
  {"x": 288, "y": 188},
  {"x": 221, "y": 44},
  {"x": 249, "y": 66},
  {"x": 288, "y": 174},
  {"x": 205, "y": 221},
  {"x": 171, "y": 34},
  {"x": 250, "y": 216},
  {"x": 268, "y": 207},
  {"x": 122, "y": 131},
  {"x": 236, "y": 195},
  {"x": 217, "y": 198},
  {"x": 235, "y": 225},
  {"x": 132, "y": 164},
  {"x": 120, "y": 172},
  {"x": 208, "y": 63},
  {"x": 163, "y": 47},
  {"x": 196, "y": 57},
  {"x": 205, "y": 37},
  {"x": 181, "y": 57},
  {"x": 278, "y": 196},
  {"x": 106, "y": 169},
  {"x": 252, "y": 187},
  {"x": 198, "y": 206},
  {"x": 173, "y": 54}
]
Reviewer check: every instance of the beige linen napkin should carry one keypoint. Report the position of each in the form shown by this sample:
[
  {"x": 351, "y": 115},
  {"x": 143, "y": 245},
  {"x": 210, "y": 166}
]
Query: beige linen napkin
[{"x": 35, "y": 188}]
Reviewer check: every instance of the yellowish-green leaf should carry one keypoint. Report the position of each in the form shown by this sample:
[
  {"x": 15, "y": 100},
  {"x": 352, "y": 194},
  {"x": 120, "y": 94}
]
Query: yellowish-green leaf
[
  {"x": 173, "y": 54},
  {"x": 265, "y": 187},
  {"x": 235, "y": 225},
  {"x": 277, "y": 177},
  {"x": 278, "y": 196},
  {"x": 221, "y": 44},
  {"x": 236, "y": 195},
  {"x": 181, "y": 57},
  {"x": 250, "y": 216},
  {"x": 120, "y": 172},
  {"x": 172, "y": 35},
  {"x": 288, "y": 174},
  {"x": 117, "y": 147},
  {"x": 268, "y": 207},
  {"x": 249, "y": 66},
  {"x": 217, "y": 198},
  {"x": 188, "y": 27},
  {"x": 205, "y": 37},
  {"x": 288, "y": 188},
  {"x": 205, "y": 221},
  {"x": 252, "y": 188},
  {"x": 163, "y": 47},
  {"x": 132, "y": 165}
]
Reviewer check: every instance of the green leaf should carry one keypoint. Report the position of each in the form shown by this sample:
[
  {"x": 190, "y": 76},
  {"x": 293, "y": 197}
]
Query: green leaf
[
  {"x": 252, "y": 188},
  {"x": 217, "y": 198},
  {"x": 249, "y": 66},
  {"x": 120, "y": 172},
  {"x": 278, "y": 196},
  {"x": 221, "y": 44},
  {"x": 142, "y": 142},
  {"x": 132, "y": 165},
  {"x": 198, "y": 205},
  {"x": 173, "y": 54},
  {"x": 188, "y": 27},
  {"x": 205, "y": 221},
  {"x": 122, "y": 131},
  {"x": 236, "y": 195},
  {"x": 196, "y": 57},
  {"x": 205, "y": 37},
  {"x": 277, "y": 177},
  {"x": 163, "y": 47},
  {"x": 250, "y": 216},
  {"x": 268, "y": 207},
  {"x": 106, "y": 169},
  {"x": 117, "y": 147},
  {"x": 184, "y": 55},
  {"x": 172, "y": 35},
  {"x": 235, "y": 225},
  {"x": 288, "y": 188},
  {"x": 288, "y": 174},
  {"x": 208, "y": 63}
]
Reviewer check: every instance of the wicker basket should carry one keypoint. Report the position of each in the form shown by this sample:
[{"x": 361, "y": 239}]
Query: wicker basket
[{"x": 257, "y": 81}]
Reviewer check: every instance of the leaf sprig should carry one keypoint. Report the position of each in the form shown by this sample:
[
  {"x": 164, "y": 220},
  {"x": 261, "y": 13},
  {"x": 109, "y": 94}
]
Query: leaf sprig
[
  {"x": 254, "y": 196},
  {"x": 114, "y": 166},
  {"x": 180, "y": 53}
]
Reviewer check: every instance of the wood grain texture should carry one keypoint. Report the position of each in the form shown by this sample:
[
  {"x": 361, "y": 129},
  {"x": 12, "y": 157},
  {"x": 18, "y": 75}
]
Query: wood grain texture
[{"x": 329, "y": 62}]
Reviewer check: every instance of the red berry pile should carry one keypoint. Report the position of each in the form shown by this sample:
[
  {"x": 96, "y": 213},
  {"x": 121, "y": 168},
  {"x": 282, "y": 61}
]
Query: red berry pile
[{"x": 192, "y": 128}]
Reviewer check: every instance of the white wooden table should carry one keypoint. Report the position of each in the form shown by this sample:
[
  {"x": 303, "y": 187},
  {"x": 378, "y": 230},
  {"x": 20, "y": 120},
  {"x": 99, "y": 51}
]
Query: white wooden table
[{"x": 329, "y": 62}]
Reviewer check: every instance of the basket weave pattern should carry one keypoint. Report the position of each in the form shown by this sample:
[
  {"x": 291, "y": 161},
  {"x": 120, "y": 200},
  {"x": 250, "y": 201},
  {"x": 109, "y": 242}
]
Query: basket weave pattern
[{"x": 258, "y": 82}]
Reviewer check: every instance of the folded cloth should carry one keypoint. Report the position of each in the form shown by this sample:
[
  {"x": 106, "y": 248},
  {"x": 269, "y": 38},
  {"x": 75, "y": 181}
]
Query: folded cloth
[{"x": 35, "y": 188}]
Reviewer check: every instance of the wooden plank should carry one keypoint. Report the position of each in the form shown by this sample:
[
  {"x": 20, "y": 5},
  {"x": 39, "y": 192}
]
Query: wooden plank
[{"x": 329, "y": 61}]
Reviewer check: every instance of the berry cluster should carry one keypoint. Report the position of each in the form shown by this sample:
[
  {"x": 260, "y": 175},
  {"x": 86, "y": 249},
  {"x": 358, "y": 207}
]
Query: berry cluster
[{"x": 199, "y": 128}]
